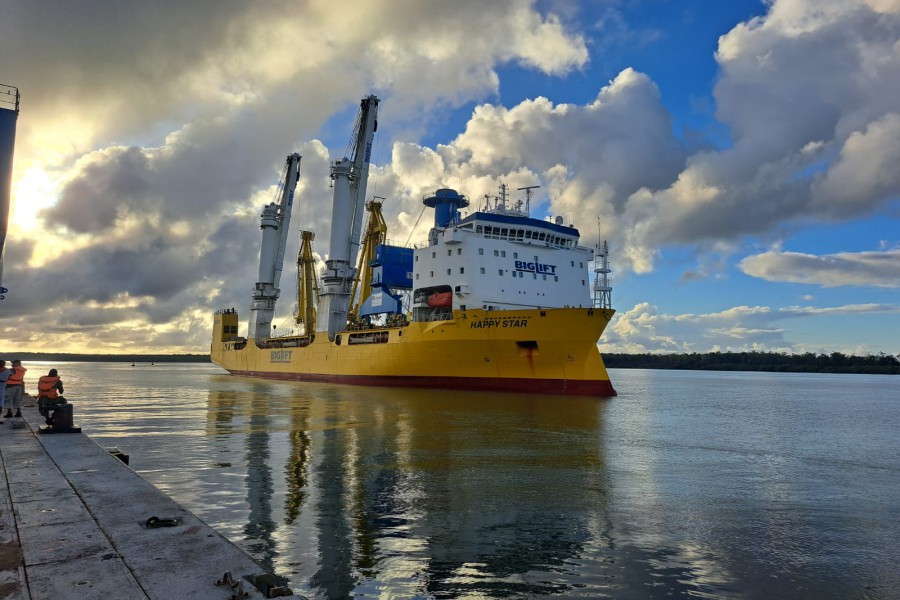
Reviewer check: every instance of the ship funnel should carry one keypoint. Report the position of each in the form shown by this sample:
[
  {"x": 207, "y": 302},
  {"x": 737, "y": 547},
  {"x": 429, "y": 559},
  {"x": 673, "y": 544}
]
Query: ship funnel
[
  {"x": 9, "y": 113},
  {"x": 446, "y": 203}
]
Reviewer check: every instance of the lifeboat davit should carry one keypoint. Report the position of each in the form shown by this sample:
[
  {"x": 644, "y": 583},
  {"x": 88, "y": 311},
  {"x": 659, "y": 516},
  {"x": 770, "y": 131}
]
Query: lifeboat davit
[{"x": 440, "y": 299}]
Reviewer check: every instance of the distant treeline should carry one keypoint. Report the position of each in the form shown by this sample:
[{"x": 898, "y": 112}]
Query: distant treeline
[
  {"x": 759, "y": 361},
  {"x": 713, "y": 361},
  {"x": 135, "y": 358}
]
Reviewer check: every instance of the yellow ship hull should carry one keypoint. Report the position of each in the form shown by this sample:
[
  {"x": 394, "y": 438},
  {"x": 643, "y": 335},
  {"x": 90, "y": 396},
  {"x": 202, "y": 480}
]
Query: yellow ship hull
[{"x": 550, "y": 351}]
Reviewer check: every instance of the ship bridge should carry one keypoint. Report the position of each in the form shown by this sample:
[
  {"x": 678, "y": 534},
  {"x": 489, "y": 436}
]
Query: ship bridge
[
  {"x": 523, "y": 230},
  {"x": 497, "y": 259}
]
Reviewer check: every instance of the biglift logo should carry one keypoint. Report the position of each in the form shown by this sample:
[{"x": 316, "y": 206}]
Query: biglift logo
[{"x": 535, "y": 267}]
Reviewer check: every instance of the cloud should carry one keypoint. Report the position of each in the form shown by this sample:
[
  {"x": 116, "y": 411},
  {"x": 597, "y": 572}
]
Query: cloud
[
  {"x": 875, "y": 269},
  {"x": 589, "y": 158},
  {"x": 164, "y": 147},
  {"x": 809, "y": 92},
  {"x": 158, "y": 150},
  {"x": 866, "y": 171},
  {"x": 738, "y": 329}
]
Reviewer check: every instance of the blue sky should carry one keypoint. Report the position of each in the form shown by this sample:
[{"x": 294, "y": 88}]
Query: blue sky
[{"x": 740, "y": 155}]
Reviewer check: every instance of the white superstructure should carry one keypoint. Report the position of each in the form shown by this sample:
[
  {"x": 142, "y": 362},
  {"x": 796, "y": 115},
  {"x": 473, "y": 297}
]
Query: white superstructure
[{"x": 497, "y": 259}]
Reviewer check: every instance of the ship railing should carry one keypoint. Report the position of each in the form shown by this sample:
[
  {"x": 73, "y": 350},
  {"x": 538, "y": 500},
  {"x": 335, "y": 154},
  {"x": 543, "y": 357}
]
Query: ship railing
[
  {"x": 428, "y": 314},
  {"x": 9, "y": 97},
  {"x": 298, "y": 341},
  {"x": 508, "y": 238},
  {"x": 369, "y": 337},
  {"x": 397, "y": 244}
]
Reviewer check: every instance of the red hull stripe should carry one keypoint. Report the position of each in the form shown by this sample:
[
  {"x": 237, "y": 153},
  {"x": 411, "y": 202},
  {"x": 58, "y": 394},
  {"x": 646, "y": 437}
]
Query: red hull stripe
[{"x": 577, "y": 387}]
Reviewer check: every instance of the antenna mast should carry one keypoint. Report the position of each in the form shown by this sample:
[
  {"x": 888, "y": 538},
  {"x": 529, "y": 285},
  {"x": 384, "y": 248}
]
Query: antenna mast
[
  {"x": 602, "y": 287},
  {"x": 528, "y": 193}
]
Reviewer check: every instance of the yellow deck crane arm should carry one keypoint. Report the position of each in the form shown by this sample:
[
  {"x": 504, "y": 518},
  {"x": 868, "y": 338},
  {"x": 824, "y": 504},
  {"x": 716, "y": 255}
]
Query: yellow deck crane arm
[{"x": 375, "y": 235}]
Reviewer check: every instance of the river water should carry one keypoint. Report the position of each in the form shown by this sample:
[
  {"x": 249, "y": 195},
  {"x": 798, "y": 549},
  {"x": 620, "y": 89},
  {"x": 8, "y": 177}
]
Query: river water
[{"x": 688, "y": 484}]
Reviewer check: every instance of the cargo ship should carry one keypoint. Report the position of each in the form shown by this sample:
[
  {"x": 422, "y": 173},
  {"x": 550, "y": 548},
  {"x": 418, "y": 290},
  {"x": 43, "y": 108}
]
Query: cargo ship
[{"x": 492, "y": 300}]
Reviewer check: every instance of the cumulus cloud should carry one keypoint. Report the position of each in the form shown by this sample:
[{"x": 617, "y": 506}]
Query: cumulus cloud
[
  {"x": 165, "y": 146},
  {"x": 865, "y": 172},
  {"x": 809, "y": 92},
  {"x": 589, "y": 158},
  {"x": 645, "y": 328},
  {"x": 876, "y": 269}
]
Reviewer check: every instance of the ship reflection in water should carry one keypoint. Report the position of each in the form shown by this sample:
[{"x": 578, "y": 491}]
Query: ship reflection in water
[{"x": 411, "y": 493}]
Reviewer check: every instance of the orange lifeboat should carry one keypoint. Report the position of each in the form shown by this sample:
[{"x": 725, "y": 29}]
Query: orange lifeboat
[{"x": 440, "y": 300}]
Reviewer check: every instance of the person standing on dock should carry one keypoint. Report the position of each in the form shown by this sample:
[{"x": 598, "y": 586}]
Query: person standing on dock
[
  {"x": 15, "y": 389},
  {"x": 4, "y": 376}
]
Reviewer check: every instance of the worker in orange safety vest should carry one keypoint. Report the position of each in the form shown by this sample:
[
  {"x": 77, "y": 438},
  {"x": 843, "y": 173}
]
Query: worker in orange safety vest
[
  {"x": 50, "y": 385},
  {"x": 15, "y": 389}
]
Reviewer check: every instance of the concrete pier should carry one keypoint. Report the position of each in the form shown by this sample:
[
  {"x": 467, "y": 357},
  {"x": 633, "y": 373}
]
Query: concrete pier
[{"x": 73, "y": 525}]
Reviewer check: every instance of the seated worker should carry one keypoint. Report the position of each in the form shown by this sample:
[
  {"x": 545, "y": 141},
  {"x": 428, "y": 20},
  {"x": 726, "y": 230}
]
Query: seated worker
[{"x": 49, "y": 389}]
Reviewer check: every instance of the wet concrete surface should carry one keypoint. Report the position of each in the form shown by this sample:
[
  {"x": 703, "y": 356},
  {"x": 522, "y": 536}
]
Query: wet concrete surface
[{"x": 73, "y": 525}]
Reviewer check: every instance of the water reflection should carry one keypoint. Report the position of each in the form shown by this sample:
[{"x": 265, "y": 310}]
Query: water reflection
[
  {"x": 414, "y": 492},
  {"x": 687, "y": 484}
]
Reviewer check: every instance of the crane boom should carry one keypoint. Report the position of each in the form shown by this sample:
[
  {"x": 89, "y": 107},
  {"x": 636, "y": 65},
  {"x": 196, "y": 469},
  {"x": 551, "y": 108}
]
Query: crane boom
[
  {"x": 274, "y": 223},
  {"x": 376, "y": 233},
  {"x": 307, "y": 284},
  {"x": 350, "y": 175}
]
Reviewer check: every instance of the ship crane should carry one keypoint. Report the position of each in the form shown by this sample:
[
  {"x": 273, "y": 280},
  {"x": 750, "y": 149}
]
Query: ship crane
[
  {"x": 349, "y": 176},
  {"x": 376, "y": 234},
  {"x": 307, "y": 285},
  {"x": 274, "y": 223}
]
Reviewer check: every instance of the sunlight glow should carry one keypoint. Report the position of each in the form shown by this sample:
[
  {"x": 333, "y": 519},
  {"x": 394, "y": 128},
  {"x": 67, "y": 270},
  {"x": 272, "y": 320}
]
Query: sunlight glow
[{"x": 31, "y": 193}]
